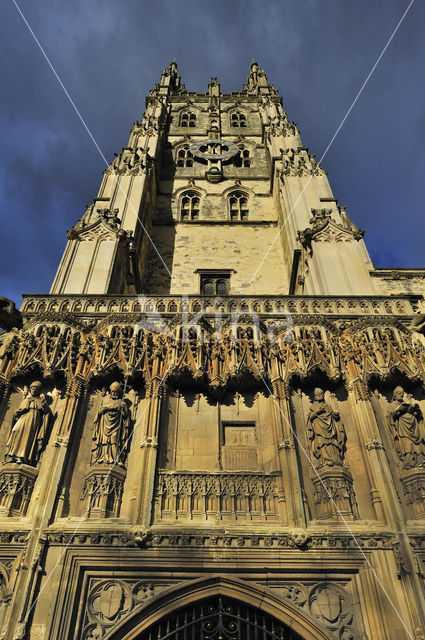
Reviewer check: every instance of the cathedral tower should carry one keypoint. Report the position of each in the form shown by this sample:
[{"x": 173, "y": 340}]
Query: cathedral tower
[{"x": 213, "y": 424}]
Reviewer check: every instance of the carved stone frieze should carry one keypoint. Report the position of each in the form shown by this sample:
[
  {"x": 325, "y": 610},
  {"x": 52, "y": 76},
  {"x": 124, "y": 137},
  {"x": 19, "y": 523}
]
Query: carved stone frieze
[
  {"x": 243, "y": 352},
  {"x": 204, "y": 496}
]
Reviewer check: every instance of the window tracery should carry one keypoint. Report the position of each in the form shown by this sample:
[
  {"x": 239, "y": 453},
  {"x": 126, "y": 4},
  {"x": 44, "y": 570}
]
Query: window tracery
[
  {"x": 238, "y": 119},
  {"x": 190, "y": 202},
  {"x": 184, "y": 157},
  {"x": 215, "y": 284},
  {"x": 243, "y": 159},
  {"x": 188, "y": 119},
  {"x": 238, "y": 205}
]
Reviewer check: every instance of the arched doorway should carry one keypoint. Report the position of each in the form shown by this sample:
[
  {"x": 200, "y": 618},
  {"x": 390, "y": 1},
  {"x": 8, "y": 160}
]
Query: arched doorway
[
  {"x": 218, "y": 618},
  {"x": 218, "y": 608}
]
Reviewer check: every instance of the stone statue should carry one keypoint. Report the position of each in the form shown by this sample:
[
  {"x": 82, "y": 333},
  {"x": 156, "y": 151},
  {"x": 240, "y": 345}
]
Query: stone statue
[
  {"x": 29, "y": 428},
  {"x": 111, "y": 429},
  {"x": 9, "y": 315},
  {"x": 325, "y": 432},
  {"x": 405, "y": 421}
]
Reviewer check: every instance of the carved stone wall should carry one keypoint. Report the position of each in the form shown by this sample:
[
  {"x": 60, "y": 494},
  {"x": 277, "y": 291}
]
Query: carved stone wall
[{"x": 253, "y": 444}]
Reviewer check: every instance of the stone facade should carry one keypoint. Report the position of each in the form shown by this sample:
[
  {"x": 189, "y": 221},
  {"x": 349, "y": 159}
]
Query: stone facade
[{"x": 227, "y": 437}]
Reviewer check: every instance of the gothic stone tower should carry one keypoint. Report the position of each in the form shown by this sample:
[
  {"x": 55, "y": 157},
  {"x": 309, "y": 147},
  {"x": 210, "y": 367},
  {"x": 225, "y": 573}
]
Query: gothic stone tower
[{"x": 212, "y": 427}]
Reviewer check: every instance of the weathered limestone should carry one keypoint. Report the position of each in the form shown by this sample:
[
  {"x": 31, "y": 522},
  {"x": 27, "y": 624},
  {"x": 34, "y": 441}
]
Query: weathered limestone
[{"x": 220, "y": 401}]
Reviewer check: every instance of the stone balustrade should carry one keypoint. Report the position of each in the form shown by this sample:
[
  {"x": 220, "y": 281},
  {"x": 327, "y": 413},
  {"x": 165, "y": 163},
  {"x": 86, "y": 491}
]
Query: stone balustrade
[{"x": 222, "y": 496}]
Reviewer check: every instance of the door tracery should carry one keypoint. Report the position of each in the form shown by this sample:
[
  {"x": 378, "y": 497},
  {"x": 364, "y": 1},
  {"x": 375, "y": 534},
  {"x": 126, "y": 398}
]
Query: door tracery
[{"x": 218, "y": 618}]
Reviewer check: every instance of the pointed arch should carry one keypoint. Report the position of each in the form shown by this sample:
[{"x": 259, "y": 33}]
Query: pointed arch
[{"x": 169, "y": 601}]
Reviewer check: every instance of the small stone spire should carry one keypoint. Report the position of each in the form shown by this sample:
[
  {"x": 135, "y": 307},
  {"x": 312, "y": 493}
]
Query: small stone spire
[
  {"x": 257, "y": 81},
  {"x": 170, "y": 78}
]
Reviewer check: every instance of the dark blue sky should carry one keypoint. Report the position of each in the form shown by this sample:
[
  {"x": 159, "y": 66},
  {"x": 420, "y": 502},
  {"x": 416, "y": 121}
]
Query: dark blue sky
[{"x": 109, "y": 54}]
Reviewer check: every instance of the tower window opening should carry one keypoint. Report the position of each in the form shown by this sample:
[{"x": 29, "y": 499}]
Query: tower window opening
[
  {"x": 243, "y": 159},
  {"x": 188, "y": 119},
  {"x": 190, "y": 205},
  {"x": 238, "y": 119},
  {"x": 184, "y": 157},
  {"x": 215, "y": 284},
  {"x": 238, "y": 205}
]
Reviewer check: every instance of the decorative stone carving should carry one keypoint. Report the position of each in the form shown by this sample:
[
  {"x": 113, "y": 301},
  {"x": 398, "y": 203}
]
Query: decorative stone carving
[
  {"x": 109, "y": 601},
  {"x": 330, "y": 604},
  {"x": 413, "y": 481},
  {"x": 111, "y": 430},
  {"x": 16, "y": 485},
  {"x": 326, "y": 433},
  {"x": 405, "y": 421},
  {"x": 30, "y": 426},
  {"x": 102, "y": 491},
  {"x": 201, "y": 496},
  {"x": 334, "y": 495}
]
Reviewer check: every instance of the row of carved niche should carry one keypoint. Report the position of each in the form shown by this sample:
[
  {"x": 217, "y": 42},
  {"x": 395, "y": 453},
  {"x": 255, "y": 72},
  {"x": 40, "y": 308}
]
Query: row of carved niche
[{"x": 148, "y": 305}]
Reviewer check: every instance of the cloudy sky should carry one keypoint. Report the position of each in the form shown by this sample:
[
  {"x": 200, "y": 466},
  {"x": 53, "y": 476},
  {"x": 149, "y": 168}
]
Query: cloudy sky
[{"x": 108, "y": 54}]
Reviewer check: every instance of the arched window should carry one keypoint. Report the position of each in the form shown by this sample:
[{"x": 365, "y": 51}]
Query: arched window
[
  {"x": 219, "y": 617},
  {"x": 243, "y": 158},
  {"x": 238, "y": 205},
  {"x": 238, "y": 119},
  {"x": 215, "y": 284},
  {"x": 187, "y": 119},
  {"x": 184, "y": 157},
  {"x": 190, "y": 202}
]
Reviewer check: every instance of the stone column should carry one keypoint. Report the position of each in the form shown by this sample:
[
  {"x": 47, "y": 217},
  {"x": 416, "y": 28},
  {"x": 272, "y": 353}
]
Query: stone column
[
  {"x": 290, "y": 481},
  {"x": 146, "y": 435}
]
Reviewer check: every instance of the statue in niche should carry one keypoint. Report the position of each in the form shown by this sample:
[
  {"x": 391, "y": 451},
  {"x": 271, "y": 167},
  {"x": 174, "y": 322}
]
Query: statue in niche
[
  {"x": 29, "y": 428},
  {"x": 405, "y": 420},
  {"x": 325, "y": 432},
  {"x": 111, "y": 429}
]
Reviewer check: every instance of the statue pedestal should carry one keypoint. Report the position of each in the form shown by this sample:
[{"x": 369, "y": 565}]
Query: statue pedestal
[
  {"x": 334, "y": 494},
  {"x": 102, "y": 491},
  {"x": 16, "y": 485},
  {"x": 413, "y": 481}
]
